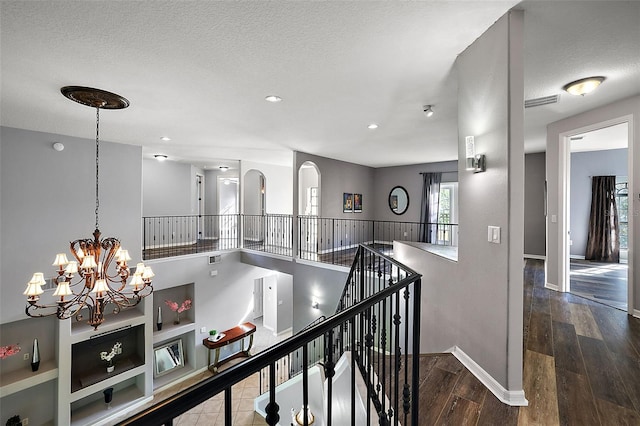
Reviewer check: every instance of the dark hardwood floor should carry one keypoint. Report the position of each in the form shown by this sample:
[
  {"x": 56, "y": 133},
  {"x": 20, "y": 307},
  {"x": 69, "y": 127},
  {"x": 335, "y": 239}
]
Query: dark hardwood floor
[{"x": 581, "y": 367}]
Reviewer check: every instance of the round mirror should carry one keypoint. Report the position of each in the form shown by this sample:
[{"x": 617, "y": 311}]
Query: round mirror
[{"x": 398, "y": 200}]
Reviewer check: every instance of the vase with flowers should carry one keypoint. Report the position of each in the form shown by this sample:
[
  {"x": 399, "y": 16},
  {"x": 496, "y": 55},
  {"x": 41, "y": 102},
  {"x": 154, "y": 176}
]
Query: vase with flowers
[
  {"x": 7, "y": 351},
  {"x": 108, "y": 356},
  {"x": 178, "y": 309}
]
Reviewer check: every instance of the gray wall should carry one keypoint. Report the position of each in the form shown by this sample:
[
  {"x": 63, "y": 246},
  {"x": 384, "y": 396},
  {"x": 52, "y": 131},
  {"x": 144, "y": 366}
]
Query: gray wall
[
  {"x": 612, "y": 162},
  {"x": 167, "y": 188},
  {"x": 323, "y": 284},
  {"x": 482, "y": 310},
  {"x": 624, "y": 110},
  {"x": 534, "y": 214},
  {"x": 337, "y": 177},
  {"x": 48, "y": 199},
  {"x": 409, "y": 177}
]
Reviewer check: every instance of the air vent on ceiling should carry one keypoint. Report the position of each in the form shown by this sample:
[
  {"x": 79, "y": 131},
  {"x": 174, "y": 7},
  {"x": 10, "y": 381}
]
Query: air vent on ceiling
[
  {"x": 546, "y": 100},
  {"x": 214, "y": 259}
]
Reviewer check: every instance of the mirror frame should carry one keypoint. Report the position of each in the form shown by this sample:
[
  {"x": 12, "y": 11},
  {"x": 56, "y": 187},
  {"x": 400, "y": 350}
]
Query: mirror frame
[
  {"x": 391, "y": 206},
  {"x": 175, "y": 356}
]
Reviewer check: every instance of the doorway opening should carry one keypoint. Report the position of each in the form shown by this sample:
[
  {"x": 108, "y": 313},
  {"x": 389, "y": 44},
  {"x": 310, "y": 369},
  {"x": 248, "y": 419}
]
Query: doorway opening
[
  {"x": 309, "y": 206},
  {"x": 598, "y": 232}
]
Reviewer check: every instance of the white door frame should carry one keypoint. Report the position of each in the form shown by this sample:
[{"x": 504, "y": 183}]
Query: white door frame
[{"x": 564, "y": 175}]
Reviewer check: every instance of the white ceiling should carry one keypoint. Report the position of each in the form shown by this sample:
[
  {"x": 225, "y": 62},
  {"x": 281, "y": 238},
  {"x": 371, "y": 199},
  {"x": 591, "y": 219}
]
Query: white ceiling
[
  {"x": 611, "y": 137},
  {"x": 198, "y": 72}
]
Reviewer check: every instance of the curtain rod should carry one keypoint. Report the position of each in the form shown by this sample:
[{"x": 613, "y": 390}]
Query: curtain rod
[{"x": 446, "y": 171}]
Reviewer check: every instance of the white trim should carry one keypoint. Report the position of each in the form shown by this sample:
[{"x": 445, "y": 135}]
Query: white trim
[
  {"x": 551, "y": 286},
  {"x": 535, "y": 256},
  {"x": 636, "y": 313},
  {"x": 513, "y": 398},
  {"x": 577, "y": 257},
  {"x": 319, "y": 264}
]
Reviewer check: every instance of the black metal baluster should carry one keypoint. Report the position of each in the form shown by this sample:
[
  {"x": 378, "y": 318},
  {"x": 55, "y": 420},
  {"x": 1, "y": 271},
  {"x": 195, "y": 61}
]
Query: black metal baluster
[
  {"x": 406, "y": 393},
  {"x": 272, "y": 407},
  {"x": 354, "y": 354},
  {"x": 416, "y": 350},
  {"x": 329, "y": 373},
  {"x": 305, "y": 385},
  {"x": 227, "y": 406}
]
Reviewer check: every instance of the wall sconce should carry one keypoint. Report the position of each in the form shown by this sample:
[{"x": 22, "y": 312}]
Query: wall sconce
[
  {"x": 315, "y": 305},
  {"x": 476, "y": 163}
]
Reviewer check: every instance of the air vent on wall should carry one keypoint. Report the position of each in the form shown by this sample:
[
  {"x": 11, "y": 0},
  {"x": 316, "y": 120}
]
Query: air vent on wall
[
  {"x": 214, "y": 259},
  {"x": 546, "y": 100}
]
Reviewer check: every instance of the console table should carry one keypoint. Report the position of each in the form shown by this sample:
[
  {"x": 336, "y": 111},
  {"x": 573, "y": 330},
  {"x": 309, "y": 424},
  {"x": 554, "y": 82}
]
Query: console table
[{"x": 235, "y": 334}]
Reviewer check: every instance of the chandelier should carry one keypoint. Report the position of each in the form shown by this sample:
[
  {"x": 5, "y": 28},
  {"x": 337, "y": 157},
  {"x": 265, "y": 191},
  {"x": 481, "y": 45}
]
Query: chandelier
[{"x": 98, "y": 274}]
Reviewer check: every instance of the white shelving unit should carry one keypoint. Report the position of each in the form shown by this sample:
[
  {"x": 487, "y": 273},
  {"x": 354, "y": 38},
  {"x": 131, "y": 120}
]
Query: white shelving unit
[
  {"x": 186, "y": 331},
  {"x": 80, "y": 393},
  {"x": 79, "y": 386},
  {"x": 17, "y": 381}
]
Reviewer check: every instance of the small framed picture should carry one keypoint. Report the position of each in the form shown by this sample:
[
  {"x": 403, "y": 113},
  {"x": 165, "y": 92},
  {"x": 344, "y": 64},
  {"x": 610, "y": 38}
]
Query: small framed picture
[
  {"x": 347, "y": 202},
  {"x": 357, "y": 203}
]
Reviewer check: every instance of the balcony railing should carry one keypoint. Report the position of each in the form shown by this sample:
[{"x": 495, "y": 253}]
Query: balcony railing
[
  {"x": 319, "y": 239},
  {"x": 377, "y": 329}
]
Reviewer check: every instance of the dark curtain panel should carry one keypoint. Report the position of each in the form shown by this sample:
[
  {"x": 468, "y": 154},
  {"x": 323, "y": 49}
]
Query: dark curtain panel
[
  {"x": 429, "y": 206},
  {"x": 603, "y": 244}
]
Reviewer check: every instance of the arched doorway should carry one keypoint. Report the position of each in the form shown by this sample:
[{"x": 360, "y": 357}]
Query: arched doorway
[{"x": 309, "y": 205}]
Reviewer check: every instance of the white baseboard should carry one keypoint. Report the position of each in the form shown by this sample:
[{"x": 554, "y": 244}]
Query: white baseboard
[
  {"x": 288, "y": 330},
  {"x": 535, "y": 256},
  {"x": 513, "y": 398},
  {"x": 636, "y": 313}
]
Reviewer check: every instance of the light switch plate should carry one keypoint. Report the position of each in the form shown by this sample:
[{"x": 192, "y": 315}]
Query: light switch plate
[{"x": 493, "y": 234}]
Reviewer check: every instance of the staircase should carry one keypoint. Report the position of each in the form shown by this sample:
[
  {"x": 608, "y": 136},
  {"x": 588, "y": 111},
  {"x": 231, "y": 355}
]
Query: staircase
[{"x": 375, "y": 331}]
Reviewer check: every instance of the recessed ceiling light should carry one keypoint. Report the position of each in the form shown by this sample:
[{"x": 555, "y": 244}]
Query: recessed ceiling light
[
  {"x": 583, "y": 86},
  {"x": 372, "y": 126},
  {"x": 428, "y": 111},
  {"x": 224, "y": 168},
  {"x": 165, "y": 138},
  {"x": 160, "y": 157},
  {"x": 273, "y": 98}
]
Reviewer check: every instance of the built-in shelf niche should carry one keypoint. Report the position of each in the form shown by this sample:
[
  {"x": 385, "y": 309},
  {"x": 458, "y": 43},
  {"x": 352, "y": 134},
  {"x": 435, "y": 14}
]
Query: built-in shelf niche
[
  {"x": 87, "y": 368},
  {"x": 176, "y": 294},
  {"x": 91, "y": 409},
  {"x": 16, "y": 374},
  {"x": 188, "y": 346},
  {"x": 186, "y": 330}
]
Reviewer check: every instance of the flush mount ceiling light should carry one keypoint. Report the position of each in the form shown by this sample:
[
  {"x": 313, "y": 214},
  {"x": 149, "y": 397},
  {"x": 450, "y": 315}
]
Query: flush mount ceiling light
[
  {"x": 160, "y": 157},
  {"x": 428, "y": 111},
  {"x": 583, "y": 86},
  {"x": 98, "y": 284},
  {"x": 273, "y": 98},
  {"x": 224, "y": 168},
  {"x": 372, "y": 126},
  {"x": 165, "y": 138}
]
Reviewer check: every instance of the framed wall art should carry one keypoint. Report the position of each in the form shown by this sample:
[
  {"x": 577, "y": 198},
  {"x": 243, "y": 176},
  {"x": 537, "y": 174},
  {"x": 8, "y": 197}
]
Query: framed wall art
[
  {"x": 347, "y": 202},
  {"x": 357, "y": 203}
]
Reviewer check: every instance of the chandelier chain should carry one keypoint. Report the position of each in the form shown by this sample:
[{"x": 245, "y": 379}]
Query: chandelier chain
[{"x": 97, "y": 163}]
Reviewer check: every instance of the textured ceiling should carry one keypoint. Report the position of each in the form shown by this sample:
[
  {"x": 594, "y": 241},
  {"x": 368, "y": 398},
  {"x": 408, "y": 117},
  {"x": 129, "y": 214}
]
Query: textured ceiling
[{"x": 198, "y": 72}]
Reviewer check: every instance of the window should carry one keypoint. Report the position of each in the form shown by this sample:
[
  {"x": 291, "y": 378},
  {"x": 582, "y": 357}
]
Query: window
[
  {"x": 622, "y": 204},
  {"x": 448, "y": 214}
]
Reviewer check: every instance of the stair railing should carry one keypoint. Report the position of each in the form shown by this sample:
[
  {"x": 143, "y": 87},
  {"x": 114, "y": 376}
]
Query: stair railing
[{"x": 380, "y": 327}]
